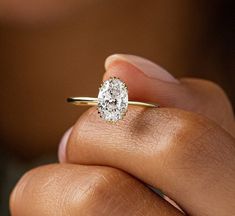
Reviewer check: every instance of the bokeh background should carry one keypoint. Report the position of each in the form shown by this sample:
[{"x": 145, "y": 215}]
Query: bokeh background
[{"x": 52, "y": 49}]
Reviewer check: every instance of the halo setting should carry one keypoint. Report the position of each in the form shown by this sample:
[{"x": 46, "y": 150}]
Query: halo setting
[{"x": 113, "y": 100}]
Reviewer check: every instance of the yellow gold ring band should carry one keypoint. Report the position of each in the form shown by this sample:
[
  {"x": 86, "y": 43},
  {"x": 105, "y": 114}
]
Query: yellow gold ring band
[
  {"x": 90, "y": 101},
  {"x": 112, "y": 101}
]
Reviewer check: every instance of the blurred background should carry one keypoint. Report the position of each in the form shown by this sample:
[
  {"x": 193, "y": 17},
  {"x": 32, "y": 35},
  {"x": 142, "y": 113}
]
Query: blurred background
[{"x": 52, "y": 49}]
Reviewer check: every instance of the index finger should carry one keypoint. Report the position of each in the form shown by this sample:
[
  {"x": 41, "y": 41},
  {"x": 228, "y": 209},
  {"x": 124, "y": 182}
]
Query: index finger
[{"x": 188, "y": 157}]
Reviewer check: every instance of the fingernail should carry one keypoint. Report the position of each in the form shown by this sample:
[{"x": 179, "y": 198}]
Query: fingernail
[
  {"x": 62, "y": 146},
  {"x": 147, "y": 67}
]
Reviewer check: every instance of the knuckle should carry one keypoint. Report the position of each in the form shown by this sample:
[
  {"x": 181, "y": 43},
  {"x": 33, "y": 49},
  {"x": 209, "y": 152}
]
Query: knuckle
[
  {"x": 29, "y": 189},
  {"x": 106, "y": 180},
  {"x": 174, "y": 127},
  {"x": 65, "y": 190},
  {"x": 107, "y": 191},
  {"x": 192, "y": 126},
  {"x": 189, "y": 142}
]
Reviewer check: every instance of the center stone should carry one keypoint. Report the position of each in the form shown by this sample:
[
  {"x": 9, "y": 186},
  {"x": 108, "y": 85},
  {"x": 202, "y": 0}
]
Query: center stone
[{"x": 113, "y": 99}]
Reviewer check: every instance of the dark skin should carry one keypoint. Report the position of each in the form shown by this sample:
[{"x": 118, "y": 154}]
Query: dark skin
[
  {"x": 47, "y": 58},
  {"x": 187, "y": 147}
]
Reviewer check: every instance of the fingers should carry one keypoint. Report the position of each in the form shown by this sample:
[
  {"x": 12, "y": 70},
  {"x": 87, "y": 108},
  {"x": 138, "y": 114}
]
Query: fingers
[
  {"x": 84, "y": 190},
  {"x": 149, "y": 82},
  {"x": 187, "y": 156}
]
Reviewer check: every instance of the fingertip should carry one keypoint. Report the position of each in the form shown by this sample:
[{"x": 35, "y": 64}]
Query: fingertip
[
  {"x": 146, "y": 80},
  {"x": 145, "y": 66},
  {"x": 110, "y": 59}
]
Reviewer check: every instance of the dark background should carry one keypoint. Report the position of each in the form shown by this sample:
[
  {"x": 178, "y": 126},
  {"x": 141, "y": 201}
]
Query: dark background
[{"x": 50, "y": 50}]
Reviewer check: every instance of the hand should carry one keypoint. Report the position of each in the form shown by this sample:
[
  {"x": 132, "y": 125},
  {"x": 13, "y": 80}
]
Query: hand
[{"x": 186, "y": 149}]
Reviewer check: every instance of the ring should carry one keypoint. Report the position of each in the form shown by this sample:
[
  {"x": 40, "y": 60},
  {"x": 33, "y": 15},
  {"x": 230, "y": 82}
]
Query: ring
[{"x": 112, "y": 102}]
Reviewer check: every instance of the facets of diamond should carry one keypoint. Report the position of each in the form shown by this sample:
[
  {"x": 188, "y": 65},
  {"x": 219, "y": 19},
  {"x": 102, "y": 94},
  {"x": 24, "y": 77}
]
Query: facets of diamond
[{"x": 113, "y": 100}]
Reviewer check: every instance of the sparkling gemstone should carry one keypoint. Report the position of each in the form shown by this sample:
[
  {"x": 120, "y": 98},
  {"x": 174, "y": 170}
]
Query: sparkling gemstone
[{"x": 113, "y": 99}]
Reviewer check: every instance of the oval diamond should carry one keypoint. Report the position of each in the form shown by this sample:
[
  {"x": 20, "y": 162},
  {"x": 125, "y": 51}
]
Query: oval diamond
[{"x": 113, "y": 99}]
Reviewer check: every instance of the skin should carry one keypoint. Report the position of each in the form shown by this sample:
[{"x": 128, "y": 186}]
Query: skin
[
  {"x": 49, "y": 52},
  {"x": 85, "y": 190},
  {"x": 186, "y": 149}
]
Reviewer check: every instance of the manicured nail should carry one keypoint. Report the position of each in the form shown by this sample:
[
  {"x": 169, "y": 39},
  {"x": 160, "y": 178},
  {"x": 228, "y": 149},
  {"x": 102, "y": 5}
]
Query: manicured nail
[
  {"x": 62, "y": 146},
  {"x": 149, "y": 68}
]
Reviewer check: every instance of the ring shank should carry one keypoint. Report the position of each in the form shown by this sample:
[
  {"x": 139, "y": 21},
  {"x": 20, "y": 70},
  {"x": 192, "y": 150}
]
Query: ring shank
[
  {"x": 83, "y": 101},
  {"x": 90, "y": 101}
]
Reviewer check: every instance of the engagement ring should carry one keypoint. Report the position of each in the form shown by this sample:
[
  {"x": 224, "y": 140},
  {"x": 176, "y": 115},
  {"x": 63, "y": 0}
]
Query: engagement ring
[{"x": 112, "y": 102}]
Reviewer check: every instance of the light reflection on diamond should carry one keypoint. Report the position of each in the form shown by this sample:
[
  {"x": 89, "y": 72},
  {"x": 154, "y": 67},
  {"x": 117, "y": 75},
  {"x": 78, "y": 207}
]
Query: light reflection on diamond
[{"x": 113, "y": 99}]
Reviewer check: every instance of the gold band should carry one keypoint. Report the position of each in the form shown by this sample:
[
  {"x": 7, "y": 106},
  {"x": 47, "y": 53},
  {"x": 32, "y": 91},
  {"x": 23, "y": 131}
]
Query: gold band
[{"x": 90, "y": 101}]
